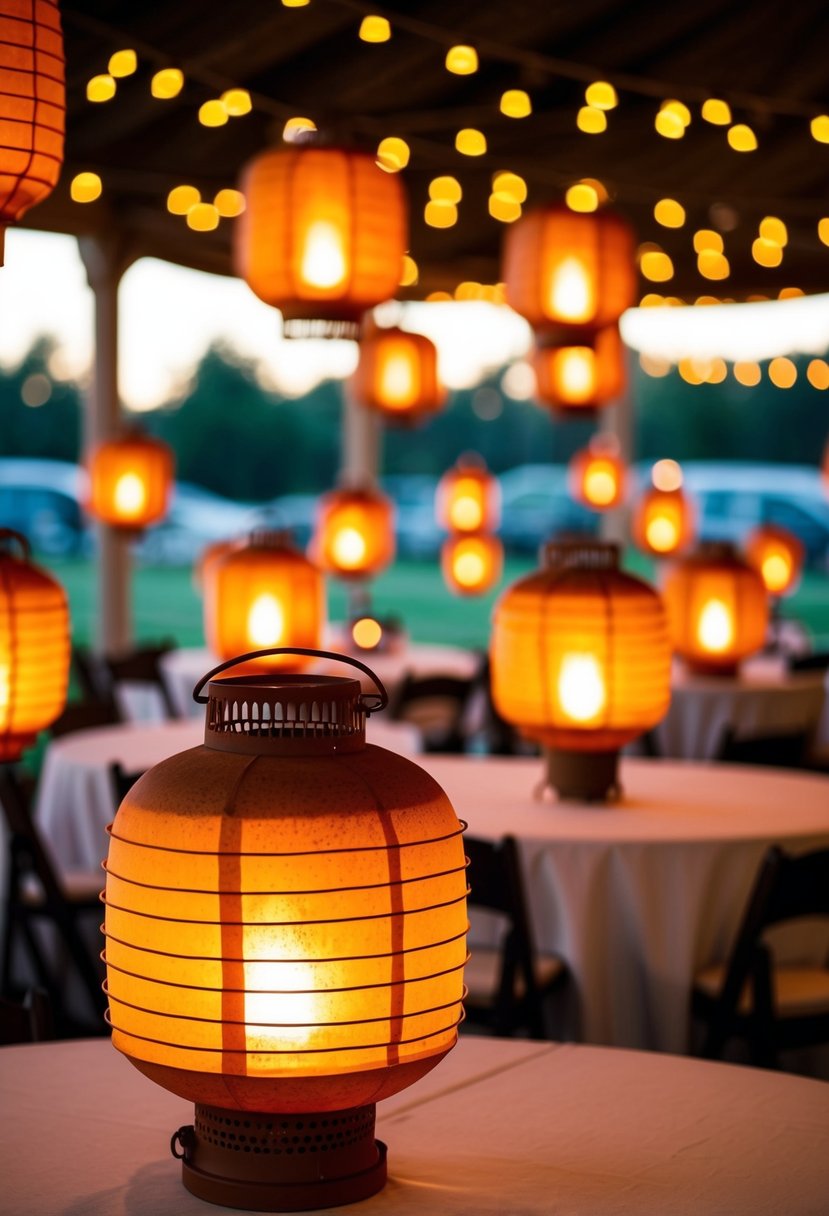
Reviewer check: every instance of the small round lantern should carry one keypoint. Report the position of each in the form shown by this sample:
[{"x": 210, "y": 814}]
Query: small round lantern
[
  {"x": 285, "y": 938},
  {"x": 565, "y": 268},
  {"x": 663, "y": 518},
  {"x": 397, "y": 376},
  {"x": 354, "y": 535},
  {"x": 717, "y": 608},
  {"x": 322, "y": 237},
  {"x": 471, "y": 562},
  {"x": 263, "y": 594},
  {"x": 468, "y": 498},
  {"x": 777, "y": 555},
  {"x": 130, "y": 480},
  {"x": 582, "y": 375},
  {"x": 32, "y": 106},
  {"x": 34, "y": 647},
  {"x": 581, "y": 661},
  {"x": 596, "y": 476}
]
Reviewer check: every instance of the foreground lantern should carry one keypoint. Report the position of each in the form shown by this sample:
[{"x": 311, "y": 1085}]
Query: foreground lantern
[
  {"x": 32, "y": 106},
  {"x": 34, "y": 647},
  {"x": 130, "y": 480},
  {"x": 468, "y": 498},
  {"x": 596, "y": 477},
  {"x": 582, "y": 374},
  {"x": 354, "y": 535},
  {"x": 663, "y": 517},
  {"x": 322, "y": 237},
  {"x": 777, "y": 555},
  {"x": 471, "y": 562},
  {"x": 397, "y": 375},
  {"x": 581, "y": 662},
  {"x": 263, "y": 594},
  {"x": 717, "y": 608},
  {"x": 285, "y": 924}
]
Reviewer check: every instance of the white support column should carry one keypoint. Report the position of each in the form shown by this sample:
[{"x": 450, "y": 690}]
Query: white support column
[
  {"x": 617, "y": 420},
  {"x": 362, "y": 432}
]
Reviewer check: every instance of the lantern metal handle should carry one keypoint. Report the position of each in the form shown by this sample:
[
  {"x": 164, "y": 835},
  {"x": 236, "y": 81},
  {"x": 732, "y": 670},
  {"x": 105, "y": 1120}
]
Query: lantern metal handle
[
  {"x": 381, "y": 696},
  {"x": 9, "y": 534}
]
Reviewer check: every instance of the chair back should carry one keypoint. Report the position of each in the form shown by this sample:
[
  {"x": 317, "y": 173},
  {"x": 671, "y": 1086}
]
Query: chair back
[
  {"x": 122, "y": 781},
  {"x": 141, "y": 665},
  {"x": 436, "y": 705},
  {"x": 84, "y": 715},
  {"x": 784, "y": 750},
  {"x": 496, "y": 885},
  {"x": 27, "y": 853},
  {"x": 29, "y": 1021}
]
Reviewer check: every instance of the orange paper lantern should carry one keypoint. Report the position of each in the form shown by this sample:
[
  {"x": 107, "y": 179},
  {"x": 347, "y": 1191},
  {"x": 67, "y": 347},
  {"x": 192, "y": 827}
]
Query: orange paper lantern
[
  {"x": 663, "y": 518},
  {"x": 322, "y": 237},
  {"x": 596, "y": 477},
  {"x": 32, "y": 106},
  {"x": 582, "y": 375},
  {"x": 130, "y": 480},
  {"x": 581, "y": 662},
  {"x": 468, "y": 498},
  {"x": 354, "y": 534},
  {"x": 262, "y": 594},
  {"x": 34, "y": 647},
  {"x": 777, "y": 555},
  {"x": 471, "y": 562},
  {"x": 717, "y": 608},
  {"x": 285, "y": 939},
  {"x": 397, "y": 375}
]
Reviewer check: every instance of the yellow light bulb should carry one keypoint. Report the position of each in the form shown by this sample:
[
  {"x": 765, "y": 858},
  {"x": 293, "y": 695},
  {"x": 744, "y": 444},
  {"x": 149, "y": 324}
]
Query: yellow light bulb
[
  {"x": 669, "y": 124},
  {"x": 817, "y": 373},
  {"x": 375, "y": 29},
  {"x": 823, "y": 230},
  {"x": 167, "y": 83},
  {"x": 656, "y": 266},
  {"x": 445, "y": 189},
  {"x": 717, "y": 371},
  {"x": 295, "y": 128},
  {"x": 85, "y": 188},
  {"x": 571, "y": 292},
  {"x": 576, "y": 369},
  {"x": 122, "y": 63},
  {"x": 236, "y": 102},
  {"x": 741, "y": 138},
  {"x": 666, "y": 475},
  {"x": 181, "y": 199},
  {"x": 229, "y": 203},
  {"x": 367, "y": 633},
  {"x": 706, "y": 238},
  {"x": 213, "y": 113},
  {"x": 100, "y": 88},
  {"x": 776, "y": 570},
  {"x": 466, "y": 513},
  {"x": 669, "y": 213},
  {"x": 747, "y": 374},
  {"x": 468, "y": 568},
  {"x": 715, "y": 627},
  {"x": 819, "y": 127},
  {"x": 470, "y": 142},
  {"x": 713, "y": 265},
  {"x": 679, "y": 108},
  {"x": 510, "y": 185},
  {"x": 349, "y": 548},
  {"x": 717, "y": 112},
  {"x": 440, "y": 214},
  {"x": 266, "y": 621},
  {"x": 581, "y": 687},
  {"x": 581, "y": 197},
  {"x": 462, "y": 60},
  {"x": 409, "y": 271},
  {"x": 295, "y": 3},
  {"x": 504, "y": 208},
  {"x": 130, "y": 496},
  {"x": 774, "y": 230},
  {"x": 790, "y": 293},
  {"x": 203, "y": 217},
  {"x": 662, "y": 533},
  {"x": 397, "y": 385},
  {"x": 323, "y": 262},
  {"x": 653, "y": 365},
  {"x": 782, "y": 373},
  {"x": 393, "y": 154},
  {"x": 600, "y": 484},
  {"x": 601, "y": 95},
  {"x": 515, "y": 103},
  {"x": 591, "y": 121}
]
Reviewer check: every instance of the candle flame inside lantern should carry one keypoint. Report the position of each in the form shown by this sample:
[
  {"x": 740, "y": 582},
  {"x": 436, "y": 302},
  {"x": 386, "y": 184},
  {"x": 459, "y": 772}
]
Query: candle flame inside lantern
[
  {"x": 397, "y": 382},
  {"x": 777, "y": 571},
  {"x": 577, "y": 369},
  {"x": 367, "y": 632},
  {"x": 715, "y": 628},
  {"x": 4, "y": 691},
  {"x": 349, "y": 548},
  {"x": 571, "y": 294},
  {"x": 130, "y": 495},
  {"x": 469, "y": 569},
  {"x": 266, "y": 621},
  {"x": 600, "y": 484},
  {"x": 581, "y": 687},
  {"x": 662, "y": 533},
  {"x": 277, "y": 1020},
  {"x": 323, "y": 256},
  {"x": 466, "y": 512}
]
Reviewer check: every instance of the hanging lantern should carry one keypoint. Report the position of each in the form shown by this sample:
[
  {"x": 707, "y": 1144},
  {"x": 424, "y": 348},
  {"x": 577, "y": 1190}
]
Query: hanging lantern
[
  {"x": 130, "y": 480},
  {"x": 322, "y": 237},
  {"x": 582, "y": 375},
  {"x": 34, "y": 647},
  {"x": 565, "y": 268},
  {"x": 717, "y": 608},
  {"x": 32, "y": 106},
  {"x": 663, "y": 518},
  {"x": 354, "y": 534},
  {"x": 397, "y": 375},
  {"x": 596, "y": 476},
  {"x": 472, "y": 563},
  {"x": 581, "y": 662},
  {"x": 263, "y": 594},
  {"x": 286, "y": 935},
  {"x": 468, "y": 498},
  {"x": 777, "y": 555}
]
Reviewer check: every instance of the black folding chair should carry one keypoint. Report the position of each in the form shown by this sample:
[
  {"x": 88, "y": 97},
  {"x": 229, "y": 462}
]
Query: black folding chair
[
  {"x": 141, "y": 666},
  {"x": 436, "y": 706},
  {"x": 26, "y": 1021}
]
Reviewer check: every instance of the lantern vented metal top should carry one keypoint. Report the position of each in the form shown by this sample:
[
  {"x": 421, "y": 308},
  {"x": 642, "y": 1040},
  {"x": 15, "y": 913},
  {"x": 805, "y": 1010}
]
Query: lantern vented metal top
[{"x": 580, "y": 555}]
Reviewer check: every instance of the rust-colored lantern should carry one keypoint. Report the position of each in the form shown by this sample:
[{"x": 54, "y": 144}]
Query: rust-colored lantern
[
  {"x": 32, "y": 106},
  {"x": 285, "y": 938},
  {"x": 472, "y": 563},
  {"x": 663, "y": 518},
  {"x": 596, "y": 476},
  {"x": 718, "y": 608},
  {"x": 263, "y": 594},
  {"x": 130, "y": 481},
  {"x": 322, "y": 237},
  {"x": 581, "y": 661},
  {"x": 777, "y": 555},
  {"x": 34, "y": 647},
  {"x": 468, "y": 498},
  {"x": 397, "y": 376},
  {"x": 565, "y": 268},
  {"x": 581, "y": 375},
  {"x": 354, "y": 534}
]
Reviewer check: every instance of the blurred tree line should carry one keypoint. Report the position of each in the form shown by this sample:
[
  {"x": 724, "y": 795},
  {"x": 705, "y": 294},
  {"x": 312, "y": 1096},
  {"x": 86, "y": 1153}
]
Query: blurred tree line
[{"x": 239, "y": 440}]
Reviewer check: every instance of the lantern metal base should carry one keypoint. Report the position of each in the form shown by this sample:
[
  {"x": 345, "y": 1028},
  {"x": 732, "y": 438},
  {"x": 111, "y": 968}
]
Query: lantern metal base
[
  {"x": 579, "y": 776},
  {"x": 281, "y": 1162}
]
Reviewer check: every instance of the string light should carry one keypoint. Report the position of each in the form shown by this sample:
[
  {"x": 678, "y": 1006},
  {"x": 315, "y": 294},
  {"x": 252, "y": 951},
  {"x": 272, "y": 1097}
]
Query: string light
[
  {"x": 470, "y": 142},
  {"x": 213, "y": 113},
  {"x": 462, "y": 60},
  {"x": 409, "y": 272},
  {"x": 653, "y": 365},
  {"x": 713, "y": 265},
  {"x": 790, "y": 293},
  {"x": 236, "y": 102},
  {"x": 510, "y": 185},
  {"x": 823, "y": 230},
  {"x": 167, "y": 83},
  {"x": 741, "y": 138},
  {"x": 582, "y": 197},
  {"x": 229, "y": 203},
  {"x": 503, "y": 208},
  {"x": 601, "y": 95},
  {"x": 440, "y": 214},
  {"x": 375, "y": 29},
  {"x": 706, "y": 238},
  {"x": 85, "y": 188},
  {"x": 672, "y": 119},
  {"x": 181, "y": 199},
  {"x": 717, "y": 112},
  {"x": 203, "y": 217},
  {"x": 393, "y": 153},
  {"x": 766, "y": 253},
  {"x": 747, "y": 373},
  {"x": 100, "y": 88},
  {"x": 591, "y": 121},
  {"x": 446, "y": 189},
  {"x": 295, "y": 128},
  {"x": 669, "y": 213},
  {"x": 817, "y": 373},
  {"x": 782, "y": 373},
  {"x": 656, "y": 265},
  {"x": 774, "y": 230},
  {"x": 295, "y": 3},
  {"x": 515, "y": 103},
  {"x": 819, "y": 128},
  {"x": 122, "y": 63}
]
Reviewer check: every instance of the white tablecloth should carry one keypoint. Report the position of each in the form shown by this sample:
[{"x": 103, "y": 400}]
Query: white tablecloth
[
  {"x": 636, "y": 897},
  {"x": 498, "y": 1129}
]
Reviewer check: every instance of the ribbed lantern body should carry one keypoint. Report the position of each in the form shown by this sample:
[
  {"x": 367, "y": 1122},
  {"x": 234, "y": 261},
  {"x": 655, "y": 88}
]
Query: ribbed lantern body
[
  {"x": 32, "y": 106},
  {"x": 468, "y": 499},
  {"x": 582, "y": 375},
  {"x": 777, "y": 555},
  {"x": 264, "y": 593},
  {"x": 597, "y": 478},
  {"x": 322, "y": 237},
  {"x": 130, "y": 481},
  {"x": 354, "y": 535},
  {"x": 34, "y": 650},
  {"x": 717, "y": 608},
  {"x": 565, "y": 268},
  {"x": 397, "y": 375},
  {"x": 471, "y": 563},
  {"x": 663, "y": 521}
]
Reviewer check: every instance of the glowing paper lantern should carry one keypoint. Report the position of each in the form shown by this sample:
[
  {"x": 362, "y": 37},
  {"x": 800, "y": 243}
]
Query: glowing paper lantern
[
  {"x": 596, "y": 476},
  {"x": 717, "y": 608},
  {"x": 581, "y": 662},
  {"x": 322, "y": 238},
  {"x": 354, "y": 534},
  {"x": 397, "y": 375},
  {"x": 265, "y": 593},
  {"x": 468, "y": 499},
  {"x": 130, "y": 481},
  {"x": 285, "y": 939},
  {"x": 663, "y": 518},
  {"x": 566, "y": 268},
  {"x": 583, "y": 375},
  {"x": 472, "y": 563},
  {"x": 32, "y": 106},
  {"x": 777, "y": 555}
]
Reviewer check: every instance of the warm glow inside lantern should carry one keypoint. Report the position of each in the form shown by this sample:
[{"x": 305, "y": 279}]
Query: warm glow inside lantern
[
  {"x": 581, "y": 374},
  {"x": 32, "y": 106},
  {"x": 567, "y": 268},
  {"x": 596, "y": 476},
  {"x": 285, "y": 925},
  {"x": 354, "y": 535},
  {"x": 397, "y": 375},
  {"x": 468, "y": 498},
  {"x": 34, "y": 647},
  {"x": 663, "y": 518},
  {"x": 581, "y": 662},
  {"x": 777, "y": 555},
  {"x": 471, "y": 562},
  {"x": 263, "y": 594},
  {"x": 130, "y": 481},
  {"x": 322, "y": 237},
  {"x": 717, "y": 608}
]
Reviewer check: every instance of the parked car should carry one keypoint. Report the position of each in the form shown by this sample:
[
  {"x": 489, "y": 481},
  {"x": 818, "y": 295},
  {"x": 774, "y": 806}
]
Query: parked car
[
  {"x": 42, "y": 499},
  {"x": 536, "y": 504}
]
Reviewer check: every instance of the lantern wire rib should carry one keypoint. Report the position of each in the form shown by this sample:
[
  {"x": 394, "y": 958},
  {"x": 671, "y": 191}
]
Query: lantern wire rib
[
  {"x": 286, "y": 924},
  {"x": 370, "y": 848},
  {"x": 372, "y": 886}
]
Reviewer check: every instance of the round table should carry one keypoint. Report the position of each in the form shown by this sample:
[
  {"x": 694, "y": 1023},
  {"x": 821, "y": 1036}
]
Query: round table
[{"x": 498, "y": 1128}]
